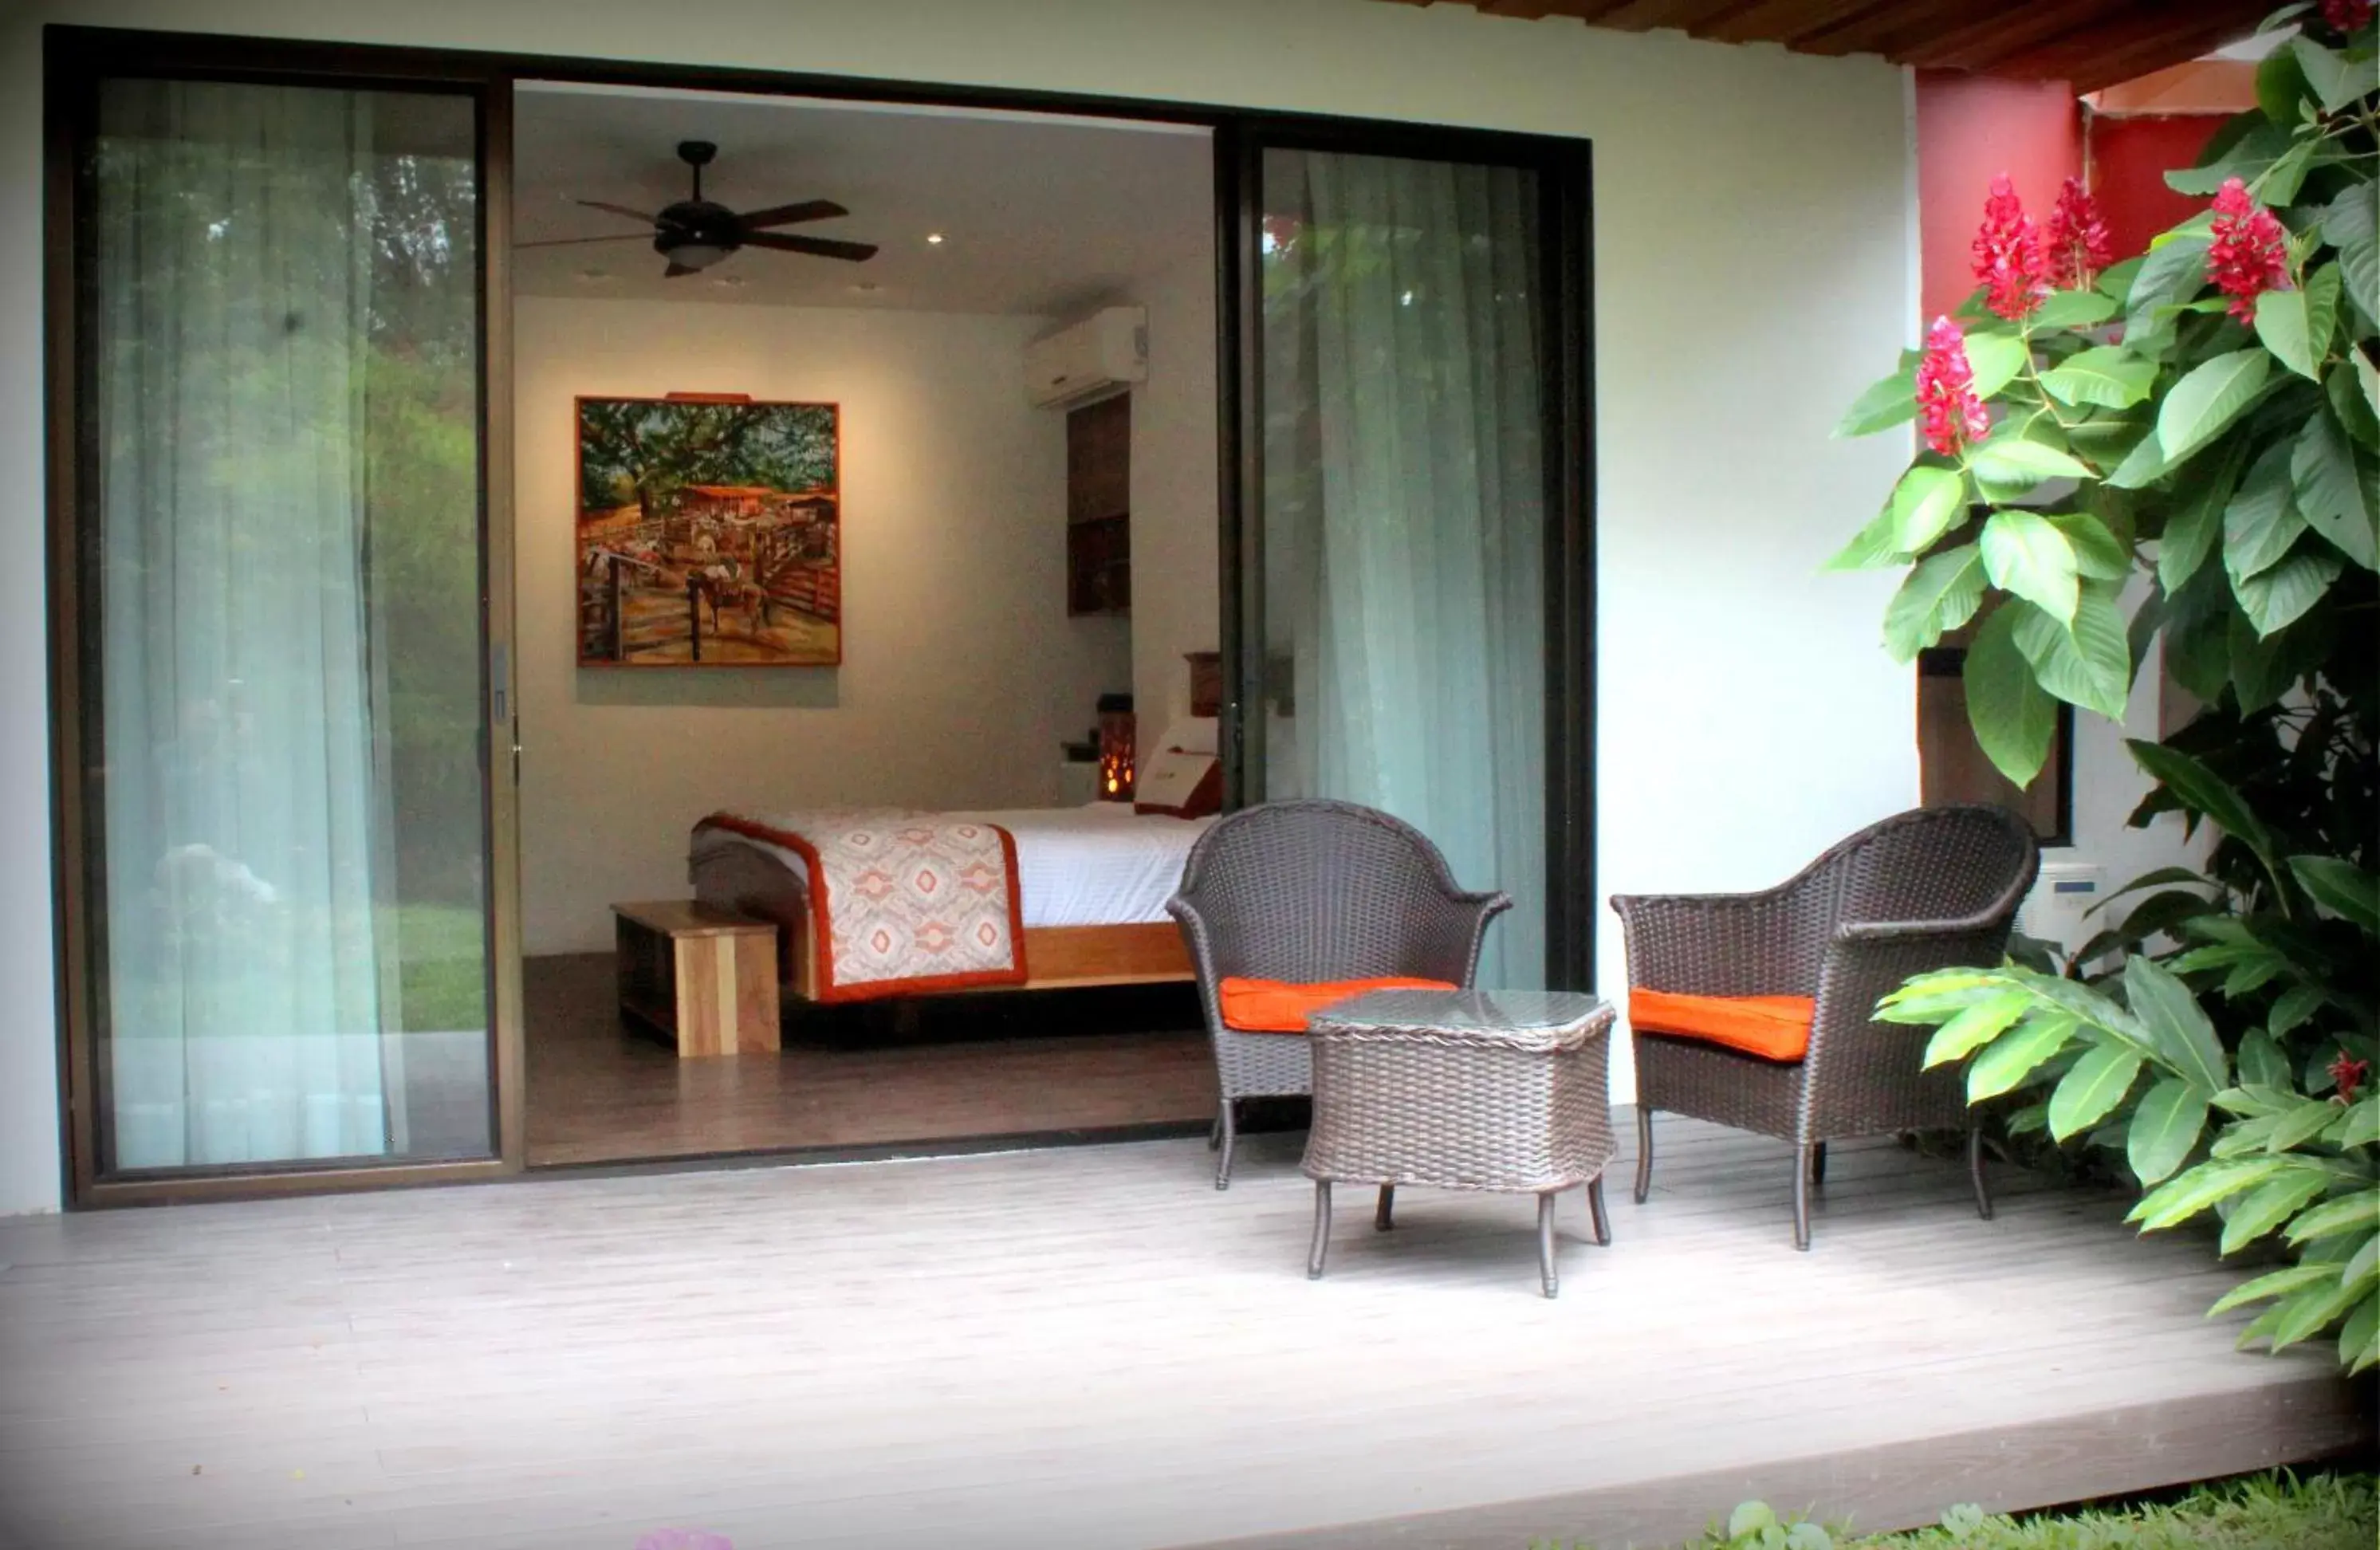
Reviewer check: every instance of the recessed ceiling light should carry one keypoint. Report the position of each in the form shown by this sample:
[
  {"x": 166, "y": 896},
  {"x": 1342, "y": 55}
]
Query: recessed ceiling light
[
  {"x": 728, "y": 279},
  {"x": 868, "y": 288},
  {"x": 934, "y": 238},
  {"x": 594, "y": 274}
]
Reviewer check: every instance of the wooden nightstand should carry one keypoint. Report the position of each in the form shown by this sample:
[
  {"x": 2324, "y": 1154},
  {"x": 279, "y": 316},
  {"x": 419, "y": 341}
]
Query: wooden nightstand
[{"x": 700, "y": 976}]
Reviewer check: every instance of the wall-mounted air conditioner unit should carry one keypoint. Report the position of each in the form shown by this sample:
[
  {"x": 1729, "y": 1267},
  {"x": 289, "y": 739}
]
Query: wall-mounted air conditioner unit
[{"x": 1104, "y": 353}]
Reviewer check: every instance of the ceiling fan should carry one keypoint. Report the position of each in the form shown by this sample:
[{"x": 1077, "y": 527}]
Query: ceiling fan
[{"x": 695, "y": 233}]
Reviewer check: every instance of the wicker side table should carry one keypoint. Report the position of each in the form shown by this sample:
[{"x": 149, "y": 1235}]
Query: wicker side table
[{"x": 1462, "y": 1090}]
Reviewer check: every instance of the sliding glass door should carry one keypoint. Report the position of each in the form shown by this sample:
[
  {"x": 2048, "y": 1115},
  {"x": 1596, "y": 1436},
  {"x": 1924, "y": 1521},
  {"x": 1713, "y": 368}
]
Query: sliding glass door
[
  {"x": 280, "y": 637},
  {"x": 1411, "y": 515}
]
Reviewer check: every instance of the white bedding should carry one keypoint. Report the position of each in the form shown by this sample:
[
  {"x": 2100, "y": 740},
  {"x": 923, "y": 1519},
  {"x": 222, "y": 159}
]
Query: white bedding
[{"x": 1097, "y": 865}]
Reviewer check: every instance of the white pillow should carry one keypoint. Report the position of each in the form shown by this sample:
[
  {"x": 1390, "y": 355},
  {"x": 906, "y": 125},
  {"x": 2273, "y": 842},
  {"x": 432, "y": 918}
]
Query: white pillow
[{"x": 1191, "y": 734}]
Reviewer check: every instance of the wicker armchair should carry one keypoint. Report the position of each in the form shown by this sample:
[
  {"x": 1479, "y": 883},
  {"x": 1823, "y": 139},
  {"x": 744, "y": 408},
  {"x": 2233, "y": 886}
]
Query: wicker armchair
[
  {"x": 1313, "y": 891},
  {"x": 1925, "y": 890}
]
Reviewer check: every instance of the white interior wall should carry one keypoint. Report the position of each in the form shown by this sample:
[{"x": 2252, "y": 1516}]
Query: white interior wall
[
  {"x": 961, "y": 670},
  {"x": 1174, "y": 603},
  {"x": 1751, "y": 270}
]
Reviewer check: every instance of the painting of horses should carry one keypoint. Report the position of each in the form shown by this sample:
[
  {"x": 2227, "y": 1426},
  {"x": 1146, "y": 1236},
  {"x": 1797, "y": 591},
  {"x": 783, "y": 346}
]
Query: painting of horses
[{"x": 710, "y": 533}]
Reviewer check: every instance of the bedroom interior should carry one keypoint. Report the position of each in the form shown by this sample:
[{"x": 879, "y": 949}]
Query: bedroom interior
[{"x": 929, "y": 529}]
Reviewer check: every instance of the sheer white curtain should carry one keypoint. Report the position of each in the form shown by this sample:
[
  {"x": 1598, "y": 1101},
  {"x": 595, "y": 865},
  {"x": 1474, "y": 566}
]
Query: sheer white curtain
[
  {"x": 1404, "y": 498},
  {"x": 247, "y": 831}
]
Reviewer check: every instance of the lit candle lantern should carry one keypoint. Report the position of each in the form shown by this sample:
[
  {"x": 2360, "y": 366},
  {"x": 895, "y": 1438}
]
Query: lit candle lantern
[{"x": 1116, "y": 736}]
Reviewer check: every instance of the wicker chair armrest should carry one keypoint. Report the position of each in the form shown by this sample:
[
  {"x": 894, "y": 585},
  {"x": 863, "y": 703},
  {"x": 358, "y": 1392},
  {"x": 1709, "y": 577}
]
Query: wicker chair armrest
[{"x": 1445, "y": 941}]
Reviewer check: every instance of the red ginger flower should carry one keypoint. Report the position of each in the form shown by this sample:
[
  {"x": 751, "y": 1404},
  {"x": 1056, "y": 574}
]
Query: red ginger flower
[
  {"x": 2350, "y": 1075},
  {"x": 1953, "y": 415},
  {"x": 2008, "y": 253},
  {"x": 2249, "y": 253},
  {"x": 2077, "y": 239},
  {"x": 2346, "y": 16}
]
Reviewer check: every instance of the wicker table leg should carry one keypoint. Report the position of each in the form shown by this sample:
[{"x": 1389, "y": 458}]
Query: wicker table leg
[
  {"x": 1595, "y": 1207},
  {"x": 1321, "y": 1230},
  {"x": 1384, "y": 1215},
  {"x": 1545, "y": 1244}
]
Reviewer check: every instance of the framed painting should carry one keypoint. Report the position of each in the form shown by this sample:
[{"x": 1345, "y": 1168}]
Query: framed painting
[{"x": 710, "y": 533}]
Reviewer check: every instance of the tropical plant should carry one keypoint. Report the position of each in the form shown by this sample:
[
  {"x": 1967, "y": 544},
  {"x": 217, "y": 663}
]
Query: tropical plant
[{"x": 2196, "y": 430}]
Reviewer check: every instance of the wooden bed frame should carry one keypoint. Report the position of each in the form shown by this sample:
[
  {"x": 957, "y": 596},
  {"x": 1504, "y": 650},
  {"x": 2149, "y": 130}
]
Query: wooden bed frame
[{"x": 750, "y": 882}]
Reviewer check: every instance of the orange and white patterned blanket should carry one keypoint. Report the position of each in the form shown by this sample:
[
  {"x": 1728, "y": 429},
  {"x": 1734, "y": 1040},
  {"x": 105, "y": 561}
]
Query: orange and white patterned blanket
[{"x": 902, "y": 902}]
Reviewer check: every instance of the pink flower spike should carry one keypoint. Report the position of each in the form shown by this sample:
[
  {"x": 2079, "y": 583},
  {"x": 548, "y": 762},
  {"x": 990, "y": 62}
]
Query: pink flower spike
[
  {"x": 685, "y": 1539},
  {"x": 2248, "y": 252},
  {"x": 1951, "y": 414},
  {"x": 2346, "y": 16},
  {"x": 2008, "y": 254},
  {"x": 2077, "y": 239}
]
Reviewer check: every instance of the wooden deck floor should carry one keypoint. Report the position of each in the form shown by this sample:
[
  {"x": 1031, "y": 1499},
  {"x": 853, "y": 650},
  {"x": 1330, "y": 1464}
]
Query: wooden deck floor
[{"x": 1091, "y": 1348}]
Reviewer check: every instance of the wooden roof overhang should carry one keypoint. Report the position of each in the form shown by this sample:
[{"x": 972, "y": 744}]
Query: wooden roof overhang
[{"x": 2090, "y": 43}]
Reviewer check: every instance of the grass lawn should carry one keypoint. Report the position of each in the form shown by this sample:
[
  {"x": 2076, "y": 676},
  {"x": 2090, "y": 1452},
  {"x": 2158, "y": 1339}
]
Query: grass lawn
[
  {"x": 441, "y": 967},
  {"x": 2261, "y": 1512}
]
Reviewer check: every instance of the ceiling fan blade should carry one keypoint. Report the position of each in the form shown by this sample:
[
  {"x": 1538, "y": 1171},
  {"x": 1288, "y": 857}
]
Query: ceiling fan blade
[
  {"x": 791, "y": 215},
  {"x": 616, "y": 209},
  {"x": 572, "y": 241},
  {"x": 676, "y": 269},
  {"x": 817, "y": 246}
]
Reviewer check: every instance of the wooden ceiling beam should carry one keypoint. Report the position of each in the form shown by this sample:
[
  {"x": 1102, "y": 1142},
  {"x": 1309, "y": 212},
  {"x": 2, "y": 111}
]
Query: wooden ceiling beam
[
  {"x": 1947, "y": 34},
  {"x": 2094, "y": 59},
  {"x": 1646, "y": 16},
  {"x": 1787, "y": 21}
]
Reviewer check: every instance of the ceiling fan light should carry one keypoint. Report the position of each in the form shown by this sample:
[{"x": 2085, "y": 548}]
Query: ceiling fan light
[{"x": 698, "y": 255}]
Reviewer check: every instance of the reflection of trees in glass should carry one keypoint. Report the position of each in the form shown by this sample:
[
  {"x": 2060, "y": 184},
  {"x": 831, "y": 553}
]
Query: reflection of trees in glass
[{"x": 647, "y": 451}]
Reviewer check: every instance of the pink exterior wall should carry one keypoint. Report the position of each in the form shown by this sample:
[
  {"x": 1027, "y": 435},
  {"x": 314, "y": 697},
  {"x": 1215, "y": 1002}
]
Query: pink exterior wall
[
  {"x": 2128, "y": 160},
  {"x": 1969, "y": 129}
]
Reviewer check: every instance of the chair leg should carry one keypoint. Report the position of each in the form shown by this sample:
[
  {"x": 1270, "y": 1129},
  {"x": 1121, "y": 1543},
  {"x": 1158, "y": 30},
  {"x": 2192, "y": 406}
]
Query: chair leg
[
  {"x": 1595, "y": 1207},
  {"x": 1227, "y": 1123},
  {"x": 1818, "y": 1163},
  {"x": 1975, "y": 1172},
  {"x": 1384, "y": 1215},
  {"x": 1802, "y": 1201},
  {"x": 1215, "y": 1133},
  {"x": 1550, "y": 1281},
  {"x": 1643, "y": 1152},
  {"x": 1321, "y": 1230}
]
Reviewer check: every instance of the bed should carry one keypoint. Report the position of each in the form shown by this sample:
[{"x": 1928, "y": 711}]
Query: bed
[{"x": 1086, "y": 888}]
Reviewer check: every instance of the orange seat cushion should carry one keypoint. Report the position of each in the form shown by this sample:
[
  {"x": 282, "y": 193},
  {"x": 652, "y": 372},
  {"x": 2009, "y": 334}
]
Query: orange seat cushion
[
  {"x": 1281, "y": 1006},
  {"x": 1773, "y": 1027}
]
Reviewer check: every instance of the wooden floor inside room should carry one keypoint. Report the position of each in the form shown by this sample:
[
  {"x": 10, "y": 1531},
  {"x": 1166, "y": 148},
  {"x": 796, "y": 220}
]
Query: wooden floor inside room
[
  {"x": 1089, "y": 1347},
  {"x": 942, "y": 1068}
]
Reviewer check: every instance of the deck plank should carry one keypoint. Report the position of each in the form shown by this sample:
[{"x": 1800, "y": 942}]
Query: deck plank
[{"x": 1092, "y": 1348}]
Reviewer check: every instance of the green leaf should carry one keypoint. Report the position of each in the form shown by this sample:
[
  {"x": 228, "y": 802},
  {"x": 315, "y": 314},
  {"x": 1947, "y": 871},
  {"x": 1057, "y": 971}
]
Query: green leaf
[
  {"x": 2352, "y": 224},
  {"x": 2347, "y": 1213},
  {"x": 1995, "y": 359},
  {"x": 2165, "y": 1128},
  {"x": 2107, "y": 376},
  {"x": 2098, "y": 553},
  {"x": 2094, "y": 1087},
  {"x": 2336, "y": 81},
  {"x": 2198, "y": 407},
  {"x": 2143, "y": 466},
  {"x": 2308, "y": 1314},
  {"x": 1941, "y": 594},
  {"x": 2359, "y": 1337},
  {"x": 1870, "y": 549},
  {"x": 2013, "y": 716},
  {"x": 2261, "y": 1061},
  {"x": 2276, "y": 598},
  {"x": 2364, "y": 1266},
  {"x": 2271, "y": 1203},
  {"x": 2089, "y": 664},
  {"x": 2020, "y": 464},
  {"x": 1926, "y": 504},
  {"x": 2278, "y": 1283},
  {"x": 2116, "y": 281},
  {"x": 2322, "y": 289},
  {"x": 2281, "y": 326},
  {"x": 2191, "y": 531},
  {"x": 2262, "y": 520},
  {"x": 2347, "y": 402},
  {"x": 2300, "y": 1125},
  {"x": 1885, "y": 404},
  {"x": 2024, "y": 553},
  {"x": 2293, "y": 1006},
  {"x": 2332, "y": 496},
  {"x": 2200, "y": 1189},
  {"x": 1749, "y": 1518},
  {"x": 2343, "y": 888},
  {"x": 2011, "y": 1058},
  {"x": 2170, "y": 272},
  {"x": 2074, "y": 310},
  {"x": 2281, "y": 86},
  {"x": 2202, "y": 791},
  {"x": 1974, "y": 1028},
  {"x": 2177, "y": 1024}
]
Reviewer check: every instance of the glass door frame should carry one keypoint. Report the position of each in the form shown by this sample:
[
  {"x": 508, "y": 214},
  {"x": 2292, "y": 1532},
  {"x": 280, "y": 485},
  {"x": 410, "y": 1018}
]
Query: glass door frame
[
  {"x": 1563, "y": 264},
  {"x": 75, "y": 61}
]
